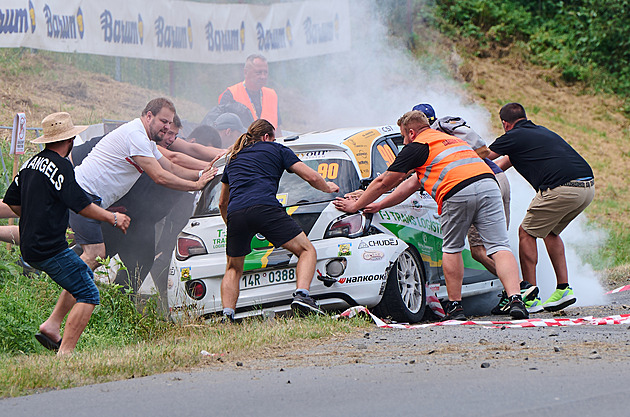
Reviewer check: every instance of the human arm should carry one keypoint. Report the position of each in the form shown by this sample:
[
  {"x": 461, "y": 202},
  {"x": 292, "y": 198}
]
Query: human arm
[
  {"x": 483, "y": 151},
  {"x": 196, "y": 150},
  {"x": 400, "y": 194},
  {"x": 6, "y": 211},
  {"x": 384, "y": 182},
  {"x": 183, "y": 160},
  {"x": 224, "y": 199},
  {"x": 95, "y": 212},
  {"x": 17, "y": 210},
  {"x": 503, "y": 163},
  {"x": 162, "y": 176},
  {"x": 311, "y": 176}
]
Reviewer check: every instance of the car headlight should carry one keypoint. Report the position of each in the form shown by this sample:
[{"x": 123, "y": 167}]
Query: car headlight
[
  {"x": 352, "y": 225},
  {"x": 189, "y": 245}
]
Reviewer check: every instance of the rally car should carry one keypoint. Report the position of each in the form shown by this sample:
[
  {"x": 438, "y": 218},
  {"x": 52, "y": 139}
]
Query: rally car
[{"x": 388, "y": 261}]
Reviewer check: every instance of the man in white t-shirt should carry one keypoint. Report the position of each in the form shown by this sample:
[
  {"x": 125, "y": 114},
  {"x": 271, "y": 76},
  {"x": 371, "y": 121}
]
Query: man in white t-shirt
[{"x": 118, "y": 160}]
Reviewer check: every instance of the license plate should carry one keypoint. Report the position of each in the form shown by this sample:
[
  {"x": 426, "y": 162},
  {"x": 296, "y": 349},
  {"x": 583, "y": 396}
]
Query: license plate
[{"x": 265, "y": 278}]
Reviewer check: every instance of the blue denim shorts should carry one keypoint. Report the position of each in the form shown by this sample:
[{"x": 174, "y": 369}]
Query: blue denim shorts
[{"x": 72, "y": 274}]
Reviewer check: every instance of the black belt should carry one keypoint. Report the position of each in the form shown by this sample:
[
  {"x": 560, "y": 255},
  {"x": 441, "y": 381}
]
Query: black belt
[{"x": 583, "y": 184}]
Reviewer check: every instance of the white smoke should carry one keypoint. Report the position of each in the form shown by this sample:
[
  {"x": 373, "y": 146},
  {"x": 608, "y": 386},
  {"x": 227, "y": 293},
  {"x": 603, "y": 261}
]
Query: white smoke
[{"x": 378, "y": 80}]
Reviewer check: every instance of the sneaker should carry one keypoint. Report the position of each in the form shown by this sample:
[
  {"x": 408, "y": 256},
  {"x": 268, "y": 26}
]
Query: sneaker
[
  {"x": 502, "y": 307},
  {"x": 518, "y": 311},
  {"x": 528, "y": 292},
  {"x": 534, "y": 306},
  {"x": 304, "y": 304},
  {"x": 560, "y": 299},
  {"x": 454, "y": 311}
]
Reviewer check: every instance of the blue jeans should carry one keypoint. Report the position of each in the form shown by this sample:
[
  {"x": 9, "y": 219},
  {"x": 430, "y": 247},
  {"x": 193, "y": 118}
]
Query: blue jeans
[{"x": 72, "y": 274}]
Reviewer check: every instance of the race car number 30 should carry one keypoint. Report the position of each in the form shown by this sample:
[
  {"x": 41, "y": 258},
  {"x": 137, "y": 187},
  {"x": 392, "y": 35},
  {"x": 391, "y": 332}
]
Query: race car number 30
[{"x": 262, "y": 279}]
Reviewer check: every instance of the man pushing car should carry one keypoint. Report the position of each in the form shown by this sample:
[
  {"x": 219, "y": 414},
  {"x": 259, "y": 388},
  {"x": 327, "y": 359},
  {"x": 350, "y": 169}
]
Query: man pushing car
[{"x": 466, "y": 192}]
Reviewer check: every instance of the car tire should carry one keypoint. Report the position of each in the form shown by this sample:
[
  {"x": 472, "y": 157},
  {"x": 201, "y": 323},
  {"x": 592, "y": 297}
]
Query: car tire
[{"x": 404, "y": 299}]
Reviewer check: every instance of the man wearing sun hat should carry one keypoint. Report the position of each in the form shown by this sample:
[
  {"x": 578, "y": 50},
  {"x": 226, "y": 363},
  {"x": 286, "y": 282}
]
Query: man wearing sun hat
[{"x": 41, "y": 194}]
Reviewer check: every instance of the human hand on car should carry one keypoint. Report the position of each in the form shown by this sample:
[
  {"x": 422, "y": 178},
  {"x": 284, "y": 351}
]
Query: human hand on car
[
  {"x": 345, "y": 204},
  {"x": 372, "y": 208},
  {"x": 206, "y": 175},
  {"x": 355, "y": 195},
  {"x": 332, "y": 187}
]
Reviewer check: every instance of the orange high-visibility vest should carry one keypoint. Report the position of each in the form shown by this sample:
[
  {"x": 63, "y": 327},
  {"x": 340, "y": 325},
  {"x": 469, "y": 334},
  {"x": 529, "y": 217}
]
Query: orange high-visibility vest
[
  {"x": 269, "y": 102},
  {"x": 450, "y": 162}
]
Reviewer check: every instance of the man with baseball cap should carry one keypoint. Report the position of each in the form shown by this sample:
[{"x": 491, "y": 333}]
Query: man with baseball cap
[
  {"x": 41, "y": 194},
  {"x": 230, "y": 128}
]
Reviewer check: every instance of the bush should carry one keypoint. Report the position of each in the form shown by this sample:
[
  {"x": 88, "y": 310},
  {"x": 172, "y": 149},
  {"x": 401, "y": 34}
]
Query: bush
[{"x": 586, "y": 40}]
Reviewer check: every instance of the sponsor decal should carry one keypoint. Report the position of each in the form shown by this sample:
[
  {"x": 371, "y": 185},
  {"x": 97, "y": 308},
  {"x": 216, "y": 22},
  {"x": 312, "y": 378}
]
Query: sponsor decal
[
  {"x": 321, "y": 32},
  {"x": 345, "y": 249},
  {"x": 271, "y": 39},
  {"x": 173, "y": 37},
  {"x": 127, "y": 32},
  {"x": 171, "y": 270},
  {"x": 185, "y": 273},
  {"x": 16, "y": 20},
  {"x": 225, "y": 40},
  {"x": 382, "y": 242},
  {"x": 311, "y": 155},
  {"x": 282, "y": 198},
  {"x": 361, "y": 278},
  {"x": 170, "y": 283},
  {"x": 373, "y": 255},
  {"x": 220, "y": 240},
  {"x": 63, "y": 26}
]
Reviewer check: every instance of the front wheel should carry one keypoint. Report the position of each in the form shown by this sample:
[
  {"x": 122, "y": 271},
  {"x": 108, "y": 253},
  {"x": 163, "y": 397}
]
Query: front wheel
[{"x": 404, "y": 299}]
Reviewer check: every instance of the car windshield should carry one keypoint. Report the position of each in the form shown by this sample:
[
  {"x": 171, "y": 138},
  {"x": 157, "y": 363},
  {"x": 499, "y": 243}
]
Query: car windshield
[{"x": 333, "y": 166}]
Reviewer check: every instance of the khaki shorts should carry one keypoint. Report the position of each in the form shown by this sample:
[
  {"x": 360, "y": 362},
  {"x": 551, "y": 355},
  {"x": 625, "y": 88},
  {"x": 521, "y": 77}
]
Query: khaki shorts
[
  {"x": 504, "y": 185},
  {"x": 552, "y": 210}
]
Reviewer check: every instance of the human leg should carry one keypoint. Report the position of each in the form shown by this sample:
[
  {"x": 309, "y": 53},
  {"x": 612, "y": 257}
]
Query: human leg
[
  {"x": 301, "y": 247},
  {"x": 77, "y": 320},
  {"x": 10, "y": 234},
  {"x": 528, "y": 255},
  {"x": 555, "y": 249},
  {"x": 230, "y": 281},
  {"x": 77, "y": 281}
]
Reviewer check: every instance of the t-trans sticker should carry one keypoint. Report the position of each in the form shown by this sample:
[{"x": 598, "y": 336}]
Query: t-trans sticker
[{"x": 373, "y": 255}]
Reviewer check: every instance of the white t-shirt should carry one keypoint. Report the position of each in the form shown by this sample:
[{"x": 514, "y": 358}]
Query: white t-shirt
[{"x": 109, "y": 170}]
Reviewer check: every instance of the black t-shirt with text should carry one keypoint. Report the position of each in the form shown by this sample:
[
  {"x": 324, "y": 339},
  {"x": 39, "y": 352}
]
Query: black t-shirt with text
[{"x": 45, "y": 188}]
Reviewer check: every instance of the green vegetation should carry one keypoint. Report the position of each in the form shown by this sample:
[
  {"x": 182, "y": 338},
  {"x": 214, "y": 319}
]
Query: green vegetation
[
  {"x": 586, "y": 40},
  {"x": 120, "y": 342}
]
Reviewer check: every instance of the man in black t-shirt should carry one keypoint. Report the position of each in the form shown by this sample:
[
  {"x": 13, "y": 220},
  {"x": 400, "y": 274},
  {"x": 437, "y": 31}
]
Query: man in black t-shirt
[
  {"x": 41, "y": 194},
  {"x": 564, "y": 186}
]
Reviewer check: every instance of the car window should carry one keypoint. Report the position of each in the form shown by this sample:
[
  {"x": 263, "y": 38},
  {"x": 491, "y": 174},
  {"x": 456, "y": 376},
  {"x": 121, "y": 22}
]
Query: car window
[
  {"x": 332, "y": 166},
  {"x": 382, "y": 157},
  {"x": 294, "y": 190}
]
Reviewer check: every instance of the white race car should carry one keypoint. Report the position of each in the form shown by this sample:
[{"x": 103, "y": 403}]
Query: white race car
[{"x": 388, "y": 261}]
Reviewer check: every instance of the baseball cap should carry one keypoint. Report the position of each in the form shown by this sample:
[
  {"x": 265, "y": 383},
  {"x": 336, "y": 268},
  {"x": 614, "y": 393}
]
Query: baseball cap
[
  {"x": 229, "y": 121},
  {"x": 427, "y": 109}
]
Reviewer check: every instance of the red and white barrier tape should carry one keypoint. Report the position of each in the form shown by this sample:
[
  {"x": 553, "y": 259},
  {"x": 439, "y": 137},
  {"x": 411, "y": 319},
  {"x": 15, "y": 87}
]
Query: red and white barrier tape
[
  {"x": 556, "y": 322},
  {"x": 616, "y": 290}
]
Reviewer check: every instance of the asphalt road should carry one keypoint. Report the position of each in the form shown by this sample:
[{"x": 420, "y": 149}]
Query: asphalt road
[{"x": 455, "y": 370}]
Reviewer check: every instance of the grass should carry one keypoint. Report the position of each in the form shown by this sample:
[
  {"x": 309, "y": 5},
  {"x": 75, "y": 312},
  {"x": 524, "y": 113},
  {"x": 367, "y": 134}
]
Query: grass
[{"x": 121, "y": 343}]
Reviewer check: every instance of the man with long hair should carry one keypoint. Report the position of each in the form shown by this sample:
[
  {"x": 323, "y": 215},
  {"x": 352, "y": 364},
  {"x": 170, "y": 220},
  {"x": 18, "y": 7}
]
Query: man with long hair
[{"x": 249, "y": 206}]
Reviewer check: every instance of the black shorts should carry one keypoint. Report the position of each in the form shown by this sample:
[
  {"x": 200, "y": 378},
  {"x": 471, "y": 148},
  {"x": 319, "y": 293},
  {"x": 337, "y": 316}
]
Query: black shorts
[{"x": 270, "y": 221}]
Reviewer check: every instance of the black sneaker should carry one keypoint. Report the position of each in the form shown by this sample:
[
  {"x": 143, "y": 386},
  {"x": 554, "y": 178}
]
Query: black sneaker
[
  {"x": 304, "y": 304},
  {"x": 503, "y": 306},
  {"x": 518, "y": 311},
  {"x": 529, "y": 293},
  {"x": 454, "y": 311}
]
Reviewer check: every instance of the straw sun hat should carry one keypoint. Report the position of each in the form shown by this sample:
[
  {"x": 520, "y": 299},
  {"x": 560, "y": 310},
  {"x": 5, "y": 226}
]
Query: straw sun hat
[{"x": 58, "y": 127}]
